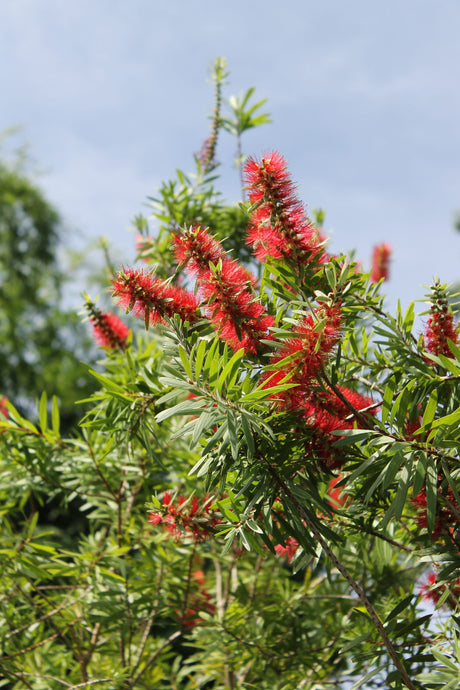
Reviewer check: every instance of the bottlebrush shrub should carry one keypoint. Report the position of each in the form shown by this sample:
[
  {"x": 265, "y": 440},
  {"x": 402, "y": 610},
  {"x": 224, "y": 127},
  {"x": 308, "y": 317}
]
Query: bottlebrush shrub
[
  {"x": 264, "y": 479},
  {"x": 286, "y": 375}
]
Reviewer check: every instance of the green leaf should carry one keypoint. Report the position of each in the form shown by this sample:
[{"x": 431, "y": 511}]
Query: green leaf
[
  {"x": 206, "y": 421},
  {"x": 445, "y": 362},
  {"x": 43, "y": 412},
  {"x": 399, "y": 500},
  {"x": 210, "y": 365},
  {"x": 431, "y": 494},
  {"x": 186, "y": 407},
  {"x": 232, "y": 428},
  {"x": 249, "y": 438},
  {"x": 401, "y": 404},
  {"x": 448, "y": 420},
  {"x": 446, "y": 661},
  {"x": 401, "y": 606},
  {"x": 55, "y": 421},
  {"x": 430, "y": 409},
  {"x": 419, "y": 475},
  {"x": 409, "y": 319},
  {"x": 229, "y": 370},
  {"x": 454, "y": 349},
  {"x": 185, "y": 362},
  {"x": 200, "y": 353}
]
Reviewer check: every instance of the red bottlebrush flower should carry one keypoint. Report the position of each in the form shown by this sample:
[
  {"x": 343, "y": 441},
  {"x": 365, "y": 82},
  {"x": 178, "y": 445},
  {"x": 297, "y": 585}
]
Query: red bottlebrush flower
[
  {"x": 445, "y": 518},
  {"x": 335, "y": 406},
  {"x": 327, "y": 413},
  {"x": 109, "y": 331},
  {"x": 269, "y": 179},
  {"x": 195, "y": 248},
  {"x": 323, "y": 413},
  {"x": 433, "y": 593},
  {"x": 233, "y": 308},
  {"x": 287, "y": 550},
  {"x": 192, "y": 518},
  {"x": 206, "y": 154},
  {"x": 381, "y": 262},
  {"x": 227, "y": 288},
  {"x": 279, "y": 227},
  {"x": 312, "y": 348},
  {"x": 337, "y": 497},
  {"x": 153, "y": 299},
  {"x": 440, "y": 327},
  {"x": 426, "y": 588}
]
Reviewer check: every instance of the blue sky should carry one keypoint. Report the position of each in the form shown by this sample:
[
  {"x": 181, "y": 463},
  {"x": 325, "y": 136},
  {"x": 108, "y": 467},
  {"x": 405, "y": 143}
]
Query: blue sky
[{"x": 113, "y": 96}]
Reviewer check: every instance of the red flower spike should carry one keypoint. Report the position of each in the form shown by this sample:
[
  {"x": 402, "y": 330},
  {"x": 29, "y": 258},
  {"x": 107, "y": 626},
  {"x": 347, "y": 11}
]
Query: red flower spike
[
  {"x": 439, "y": 328},
  {"x": 199, "y": 601},
  {"x": 279, "y": 226},
  {"x": 153, "y": 299},
  {"x": 227, "y": 288},
  {"x": 433, "y": 593},
  {"x": 312, "y": 351},
  {"x": 195, "y": 249},
  {"x": 445, "y": 518},
  {"x": 194, "y": 518},
  {"x": 232, "y": 305},
  {"x": 288, "y": 550},
  {"x": 109, "y": 331},
  {"x": 332, "y": 404},
  {"x": 324, "y": 412},
  {"x": 337, "y": 497},
  {"x": 381, "y": 262}
]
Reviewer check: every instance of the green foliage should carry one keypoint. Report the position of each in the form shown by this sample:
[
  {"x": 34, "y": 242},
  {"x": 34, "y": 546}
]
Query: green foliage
[{"x": 41, "y": 344}]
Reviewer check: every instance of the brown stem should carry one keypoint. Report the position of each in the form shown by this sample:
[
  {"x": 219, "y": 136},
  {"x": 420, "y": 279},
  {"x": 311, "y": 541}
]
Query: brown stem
[{"x": 362, "y": 419}]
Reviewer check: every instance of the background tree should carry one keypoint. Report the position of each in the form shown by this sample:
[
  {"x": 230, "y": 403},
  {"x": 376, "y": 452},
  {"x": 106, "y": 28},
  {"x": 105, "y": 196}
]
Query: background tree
[{"x": 42, "y": 343}]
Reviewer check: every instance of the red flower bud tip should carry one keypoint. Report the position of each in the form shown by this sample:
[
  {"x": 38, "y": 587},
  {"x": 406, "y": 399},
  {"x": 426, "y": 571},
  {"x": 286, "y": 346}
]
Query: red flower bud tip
[
  {"x": 381, "y": 262},
  {"x": 279, "y": 227},
  {"x": 109, "y": 331},
  {"x": 153, "y": 299}
]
